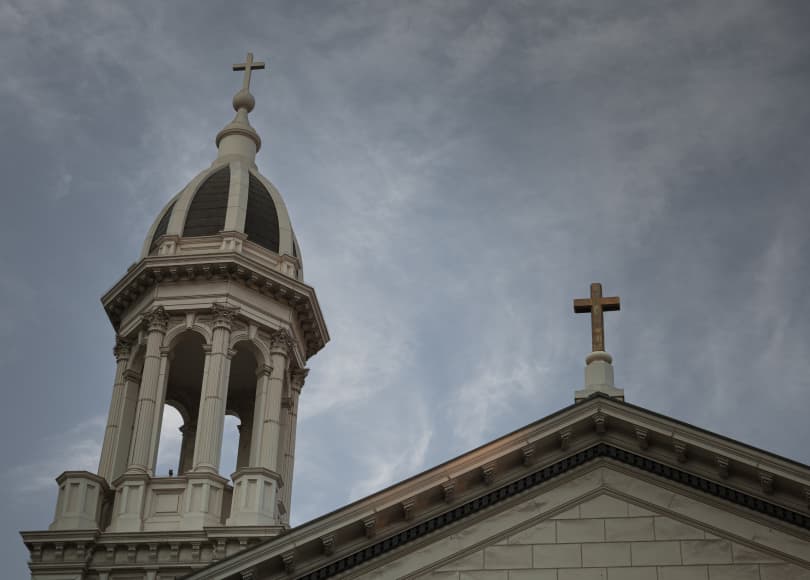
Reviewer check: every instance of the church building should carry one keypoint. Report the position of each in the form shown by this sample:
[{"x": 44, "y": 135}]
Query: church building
[{"x": 215, "y": 318}]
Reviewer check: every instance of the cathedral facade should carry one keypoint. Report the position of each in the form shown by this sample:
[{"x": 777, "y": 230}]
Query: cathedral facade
[{"x": 215, "y": 319}]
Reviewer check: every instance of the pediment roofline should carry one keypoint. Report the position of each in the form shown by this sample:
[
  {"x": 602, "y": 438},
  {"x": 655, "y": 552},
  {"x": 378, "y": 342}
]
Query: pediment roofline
[{"x": 599, "y": 427}]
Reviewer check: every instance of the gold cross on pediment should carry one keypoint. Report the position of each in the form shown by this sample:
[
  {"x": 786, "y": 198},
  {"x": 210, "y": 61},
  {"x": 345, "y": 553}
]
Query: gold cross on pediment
[
  {"x": 248, "y": 66},
  {"x": 596, "y": 305}
]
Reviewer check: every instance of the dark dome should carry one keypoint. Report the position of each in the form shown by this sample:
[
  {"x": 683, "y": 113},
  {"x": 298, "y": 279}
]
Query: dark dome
[
  {"x": 261, "y": 220},
  {"x": 206, "y": 214},
  {"x": 162, "y": 225},
  {"x": 209, "y": 206}
]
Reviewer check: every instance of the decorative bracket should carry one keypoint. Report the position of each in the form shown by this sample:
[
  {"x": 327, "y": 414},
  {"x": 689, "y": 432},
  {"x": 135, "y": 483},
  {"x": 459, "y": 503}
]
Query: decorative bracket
[
  {"x": 600, "y": 421},
  {"x": 766, "y": 481},
  {"x": 370, "y": 526},
  {"x": 722, "y": 466},
  {"x": 219, "y": 549},
  {"x": 407, "y": 508},
  {"x": 641, "y": 437},
  {"x": 288, "y": 558},
  {"x": 328, "y": 544},
  {"x": 681, "y": 450},
  {"x": 528, "y": 454},
  {"x": 565, "y": 439},
  {"x": 488, "y": 473},
  {"x": 449, "y": 490}
]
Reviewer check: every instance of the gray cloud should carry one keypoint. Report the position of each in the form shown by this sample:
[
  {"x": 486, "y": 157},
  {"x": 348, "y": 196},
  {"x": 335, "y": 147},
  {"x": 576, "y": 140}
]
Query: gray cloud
[{"x": 457, "y": 172}]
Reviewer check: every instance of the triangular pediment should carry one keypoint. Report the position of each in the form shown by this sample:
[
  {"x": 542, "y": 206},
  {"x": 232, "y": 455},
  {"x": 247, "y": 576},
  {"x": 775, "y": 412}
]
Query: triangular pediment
[
  {"x": 599, "y": 448},
  {"x": 606, "y": 533}
]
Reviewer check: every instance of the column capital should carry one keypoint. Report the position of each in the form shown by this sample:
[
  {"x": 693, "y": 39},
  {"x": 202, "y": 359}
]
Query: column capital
[
  {"x": 223, "y": 316},
  {"x": 156, "y": 320},
  {"x": 281, "y": 342},
  {"x": 297, "y": 378},
  {"x": 122, "y": 348}
]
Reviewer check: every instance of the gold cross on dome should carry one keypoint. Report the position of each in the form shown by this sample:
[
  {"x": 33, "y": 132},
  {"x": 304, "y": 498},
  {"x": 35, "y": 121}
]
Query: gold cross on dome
[
  {"x": 596, "y": 305},
  {"x": 248, "y": 66}
]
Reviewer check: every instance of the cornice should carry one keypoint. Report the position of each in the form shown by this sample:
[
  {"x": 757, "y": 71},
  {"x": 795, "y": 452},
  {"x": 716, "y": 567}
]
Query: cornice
[
  {"x": 600, "y": 451},
  {"x": 153, "y": 270},
  {"x": 708, "y": 441},
  {"x": 598, "y": 428},
  {"x": 385, "y": 541}
]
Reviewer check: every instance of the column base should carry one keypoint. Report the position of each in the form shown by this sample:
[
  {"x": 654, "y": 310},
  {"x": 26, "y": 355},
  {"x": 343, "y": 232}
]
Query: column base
[
  {"x": 80, "y": 503},
  {"x": 599, "y": 377},
  {"x": 204, "y": 500},
  {"x": 255, "y": 490},
  {"x": 130, "y": 498}
]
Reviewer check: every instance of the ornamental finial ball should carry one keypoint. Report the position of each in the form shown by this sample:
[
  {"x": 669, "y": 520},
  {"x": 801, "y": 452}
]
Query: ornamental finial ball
[{"x": 243, "y": 100}]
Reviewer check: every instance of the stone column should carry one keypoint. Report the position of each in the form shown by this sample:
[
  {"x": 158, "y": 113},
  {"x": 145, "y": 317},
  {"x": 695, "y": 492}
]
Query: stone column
[
  {"x": 132, "y": 384},
  {"x": 110, "y": 448},
  {"x": 186, "y": 448},
  {"x": 243, "y": 452},
  {"x": 147, "y": 415},
  {"x": 211, "y": 419},
  {"x": 297, "y": 378},
  {"x": 267, "y": 411},
  {"x": 255, "y": 487},
  {"x": 286, "y": 403}
]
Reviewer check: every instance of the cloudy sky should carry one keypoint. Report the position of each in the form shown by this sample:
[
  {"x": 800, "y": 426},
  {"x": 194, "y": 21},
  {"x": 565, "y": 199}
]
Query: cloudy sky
[{"x": 457, "y": 172}]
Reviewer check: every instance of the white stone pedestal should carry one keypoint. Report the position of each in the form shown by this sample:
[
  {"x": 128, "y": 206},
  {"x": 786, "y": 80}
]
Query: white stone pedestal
[
  {"x": 599, "y": 377},
  {"x": 204, "y": 501},
  {"x": 80, "y": 501},
  {"x": 130, "y": 497},
  {"x": 254, "y": 497}
]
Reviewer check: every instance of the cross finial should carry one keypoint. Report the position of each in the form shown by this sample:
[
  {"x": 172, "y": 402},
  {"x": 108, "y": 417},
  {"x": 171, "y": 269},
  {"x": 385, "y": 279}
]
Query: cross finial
[
  {"x": 248, "y": 66},
  {"x": 596, "y": 305}
]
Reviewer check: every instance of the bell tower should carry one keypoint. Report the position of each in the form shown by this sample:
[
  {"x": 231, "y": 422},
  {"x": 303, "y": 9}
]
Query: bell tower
[{"x": 214, "y": 319}]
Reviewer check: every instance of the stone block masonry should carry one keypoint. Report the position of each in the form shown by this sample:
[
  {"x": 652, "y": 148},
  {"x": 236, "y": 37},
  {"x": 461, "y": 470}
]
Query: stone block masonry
[{"x": 606, "y": 538}]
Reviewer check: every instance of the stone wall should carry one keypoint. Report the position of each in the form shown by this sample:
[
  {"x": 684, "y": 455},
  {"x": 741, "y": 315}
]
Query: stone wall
[{"x": 609, "y": 539}]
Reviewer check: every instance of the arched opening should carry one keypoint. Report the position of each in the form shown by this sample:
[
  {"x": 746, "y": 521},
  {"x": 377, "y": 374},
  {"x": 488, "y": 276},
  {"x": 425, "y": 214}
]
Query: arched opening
[
  {"x": 171, "y": 440},
  {"x": 230, "y": 445},
  {"x": 239, "y": 407},
  {"x": 183, "y": 389}
]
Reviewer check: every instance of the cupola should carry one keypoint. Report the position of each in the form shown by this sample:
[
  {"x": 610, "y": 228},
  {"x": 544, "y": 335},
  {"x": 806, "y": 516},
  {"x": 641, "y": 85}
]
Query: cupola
[{"x": 229, "y": 204}]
